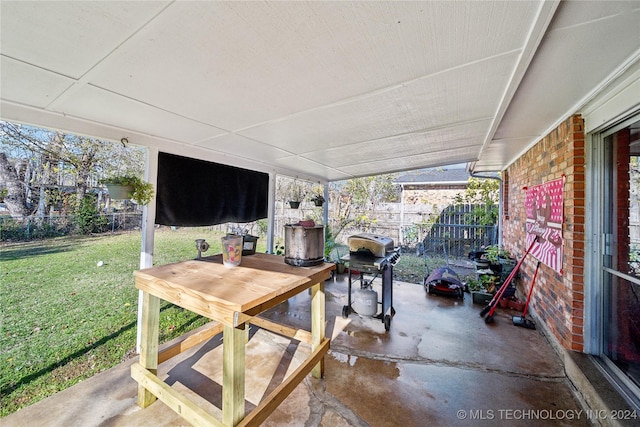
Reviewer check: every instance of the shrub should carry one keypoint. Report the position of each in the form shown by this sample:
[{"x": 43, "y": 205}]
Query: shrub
[{"x": 89, "y": 219}]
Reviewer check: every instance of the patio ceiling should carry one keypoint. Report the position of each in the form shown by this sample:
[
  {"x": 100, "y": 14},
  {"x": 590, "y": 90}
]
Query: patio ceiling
[{"x": 327, "y": 90}]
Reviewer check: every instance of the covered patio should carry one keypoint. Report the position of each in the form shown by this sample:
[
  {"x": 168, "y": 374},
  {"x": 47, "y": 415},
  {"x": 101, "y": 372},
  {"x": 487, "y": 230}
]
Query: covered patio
[{"x": 326, "y": 91}]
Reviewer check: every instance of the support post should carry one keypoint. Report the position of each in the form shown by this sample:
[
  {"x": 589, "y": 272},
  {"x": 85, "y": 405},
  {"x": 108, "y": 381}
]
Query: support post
[
  {"x": 317, "y": 324},
  {"x": 233, "y": 373}
]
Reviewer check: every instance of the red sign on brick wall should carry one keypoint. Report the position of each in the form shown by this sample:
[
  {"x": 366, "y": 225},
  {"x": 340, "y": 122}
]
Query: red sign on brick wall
[{"x": 544, "y": 206}]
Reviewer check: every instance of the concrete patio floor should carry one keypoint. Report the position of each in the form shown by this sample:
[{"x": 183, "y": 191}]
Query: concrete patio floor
[{"x": 439, "y": 365}]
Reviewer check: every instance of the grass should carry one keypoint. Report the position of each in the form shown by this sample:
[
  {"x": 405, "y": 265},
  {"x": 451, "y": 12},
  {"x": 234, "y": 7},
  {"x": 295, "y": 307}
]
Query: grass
[
  {"x": 411, "y": 268},
  {"x": 64, "y": 318}
]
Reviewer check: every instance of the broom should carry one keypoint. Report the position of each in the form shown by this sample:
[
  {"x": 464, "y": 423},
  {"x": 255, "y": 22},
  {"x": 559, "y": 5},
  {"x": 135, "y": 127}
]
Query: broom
[{"x": 522, "y": 321}]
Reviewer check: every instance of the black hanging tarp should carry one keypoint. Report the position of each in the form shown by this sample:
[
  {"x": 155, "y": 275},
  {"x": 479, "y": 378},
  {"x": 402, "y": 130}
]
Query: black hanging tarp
[{"x": 194, "y": 192}]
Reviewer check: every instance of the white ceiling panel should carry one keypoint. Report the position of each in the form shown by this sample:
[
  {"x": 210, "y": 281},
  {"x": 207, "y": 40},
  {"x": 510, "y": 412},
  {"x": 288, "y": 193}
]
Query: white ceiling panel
[
  {"x": 412, "y": 144},
  {"x": 447, "y": 157},
  {"x": 98, "y": 105},
  {"x": 69, "y": 37},
  {"x": 502, "y": 152},
  {"x": 319, "y": 89},
  {"x": 43, "y": 87},
  {"x": 238, "y": 145},
  {"x": 394, "y": 111},
  {"x": 252, "y": 62},
  {"x": 310, "y": 168}
]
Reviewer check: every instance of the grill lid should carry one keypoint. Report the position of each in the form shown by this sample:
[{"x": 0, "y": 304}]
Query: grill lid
[{"x": 368, "y": 243}]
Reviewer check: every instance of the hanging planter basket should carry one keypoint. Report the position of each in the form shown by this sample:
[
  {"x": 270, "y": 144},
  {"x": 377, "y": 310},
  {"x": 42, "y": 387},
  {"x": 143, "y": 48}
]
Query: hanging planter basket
[
  {"x": 119, "y": 191},
  {"x": 129, "y": 187},
  {"x": 294, "y": 205}
]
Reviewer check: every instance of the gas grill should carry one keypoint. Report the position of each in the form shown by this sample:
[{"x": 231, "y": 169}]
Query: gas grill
[{"x": 371, "y": 255}]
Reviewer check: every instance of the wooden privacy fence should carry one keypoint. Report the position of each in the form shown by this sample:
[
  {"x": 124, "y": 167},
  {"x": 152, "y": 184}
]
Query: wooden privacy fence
[
  {"x": 458, "y": 240},
  {"x": 456, "y": 233}
]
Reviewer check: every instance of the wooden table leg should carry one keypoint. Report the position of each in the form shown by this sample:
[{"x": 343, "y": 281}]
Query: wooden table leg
[
  {"x": 233, "y": 371},
  {"x": 317, "y": 324},
  {"x": 149, "y": 343}
]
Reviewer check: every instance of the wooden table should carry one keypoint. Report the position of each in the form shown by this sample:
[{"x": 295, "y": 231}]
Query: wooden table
[{"x": 233, "y": 297}]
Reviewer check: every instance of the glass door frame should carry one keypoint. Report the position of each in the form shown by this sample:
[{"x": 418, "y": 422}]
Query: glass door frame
[{"x": 595, "y": 298}]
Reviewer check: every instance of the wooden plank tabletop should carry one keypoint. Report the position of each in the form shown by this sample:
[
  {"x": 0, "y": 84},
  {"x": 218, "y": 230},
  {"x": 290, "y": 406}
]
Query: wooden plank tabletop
[{"x": 206, "y": 286}]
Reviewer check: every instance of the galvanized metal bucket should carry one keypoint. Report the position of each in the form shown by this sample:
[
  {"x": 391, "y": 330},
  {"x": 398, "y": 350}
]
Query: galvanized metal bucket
[{"x": 303, "y": 246}]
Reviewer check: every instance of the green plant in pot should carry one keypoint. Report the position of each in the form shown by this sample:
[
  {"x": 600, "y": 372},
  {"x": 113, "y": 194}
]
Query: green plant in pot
[
  {"x": 129, "y": 187},
  {"x": 318, "y": 200},
  {"x": 317, "y": 196},
  {"x": 294, "y": 193},
  {"x": 497, "y": 257}
]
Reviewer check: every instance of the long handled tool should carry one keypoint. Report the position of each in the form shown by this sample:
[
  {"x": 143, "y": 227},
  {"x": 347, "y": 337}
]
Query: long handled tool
[
  {"x": 522, "y": 321},
  {"x": 491, "y": 307}
]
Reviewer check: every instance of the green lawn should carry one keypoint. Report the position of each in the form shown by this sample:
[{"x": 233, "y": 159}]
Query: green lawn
[{"x": 64, "y": 318}]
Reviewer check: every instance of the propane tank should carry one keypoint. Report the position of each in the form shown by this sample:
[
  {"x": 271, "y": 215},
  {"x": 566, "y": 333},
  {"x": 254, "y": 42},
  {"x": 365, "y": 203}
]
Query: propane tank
[{"x": 366, "y": 302}]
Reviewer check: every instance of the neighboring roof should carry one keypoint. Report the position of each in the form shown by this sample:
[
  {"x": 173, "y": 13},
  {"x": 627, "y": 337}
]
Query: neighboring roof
[
  {"x": 434, "y": 176},
  {"x": 326, "y": 90}
]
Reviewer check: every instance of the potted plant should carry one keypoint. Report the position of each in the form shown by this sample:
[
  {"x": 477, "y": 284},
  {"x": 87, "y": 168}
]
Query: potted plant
[
  {"x": 318, "y": 200},
  {"x": 333, "y": 251},
  {"x": 294, "y": 194},
  {"x": 479, "y": 294},
  {"x": 318, "y": 195},
  {"x": 129, "y": 187},
  {"x": 498, "y": 258},
  {"x": 483, "y": 288}
]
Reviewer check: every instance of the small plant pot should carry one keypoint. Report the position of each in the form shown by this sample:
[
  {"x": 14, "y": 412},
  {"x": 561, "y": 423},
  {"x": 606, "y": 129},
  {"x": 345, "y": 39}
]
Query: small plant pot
[
  {"x": 482, "y": 264},
  {"x": 294, "y": 205},
  {"x": 249, "y": 244},
  {"x": 482, "y": 298},
  {"x": 496, "y": 268}
]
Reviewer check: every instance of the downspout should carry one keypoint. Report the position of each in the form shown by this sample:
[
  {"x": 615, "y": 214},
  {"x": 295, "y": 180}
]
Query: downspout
[{"x": 500, "y": 201}]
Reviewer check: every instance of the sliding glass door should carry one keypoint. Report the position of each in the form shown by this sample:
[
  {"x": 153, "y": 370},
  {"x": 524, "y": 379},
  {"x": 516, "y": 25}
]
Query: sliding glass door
[{"x": 620, "y": 243}]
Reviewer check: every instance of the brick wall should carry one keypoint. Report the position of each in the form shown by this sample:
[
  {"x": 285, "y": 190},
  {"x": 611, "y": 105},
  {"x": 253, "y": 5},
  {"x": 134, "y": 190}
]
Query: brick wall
[{"x": 558, "y": 299}]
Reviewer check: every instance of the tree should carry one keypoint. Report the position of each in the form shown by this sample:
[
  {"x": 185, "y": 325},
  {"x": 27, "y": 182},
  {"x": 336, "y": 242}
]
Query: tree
[
  {"x": 484, "y": 193},
  {"x": 353, "y": 200},
  {"x": 14, "y": 196},
  {"x": 63, "y": 159}
]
